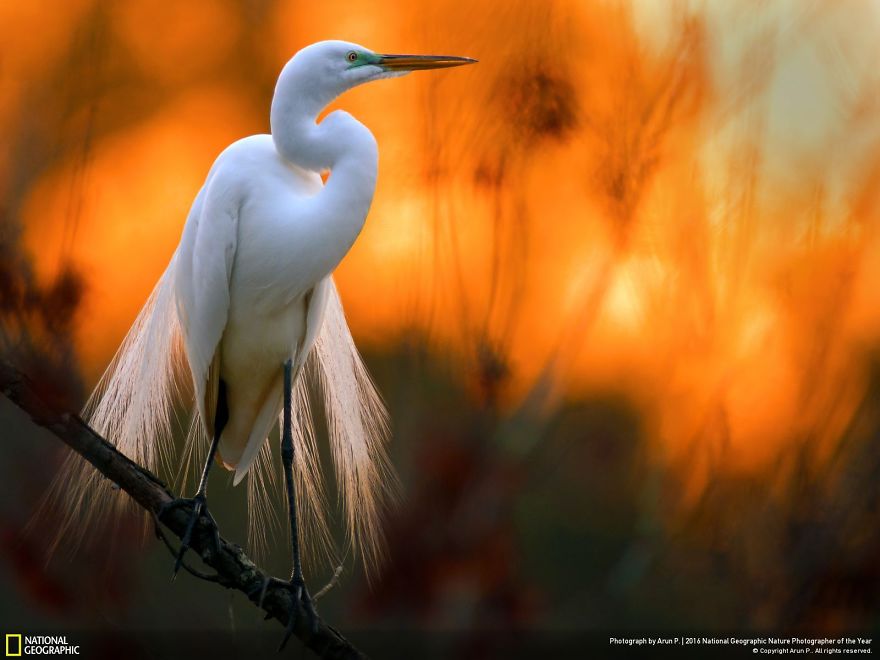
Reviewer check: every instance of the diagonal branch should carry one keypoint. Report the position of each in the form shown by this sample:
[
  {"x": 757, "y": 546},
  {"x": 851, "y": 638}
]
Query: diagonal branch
[{"x": 234, "y": 569}]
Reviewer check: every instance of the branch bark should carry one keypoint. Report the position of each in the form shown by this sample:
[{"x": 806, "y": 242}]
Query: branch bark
[{"x": 234, "y": 569}]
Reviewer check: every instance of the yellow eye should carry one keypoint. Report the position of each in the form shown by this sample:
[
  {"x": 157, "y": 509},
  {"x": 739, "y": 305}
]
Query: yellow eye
[{"x": 352, "y": 56}]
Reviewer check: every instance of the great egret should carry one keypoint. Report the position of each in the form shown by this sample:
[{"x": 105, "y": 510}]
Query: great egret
[{"x": 250, "y": 297}]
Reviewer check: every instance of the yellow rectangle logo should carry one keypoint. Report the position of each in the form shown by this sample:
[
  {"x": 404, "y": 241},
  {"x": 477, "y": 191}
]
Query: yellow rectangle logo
[{"x": 10, "y": 647}]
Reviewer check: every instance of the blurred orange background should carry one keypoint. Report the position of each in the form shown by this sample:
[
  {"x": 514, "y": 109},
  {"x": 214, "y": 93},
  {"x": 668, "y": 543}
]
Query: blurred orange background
[
  {"x": 675, "y": 201},
  {"x": 618, "y": 287}
]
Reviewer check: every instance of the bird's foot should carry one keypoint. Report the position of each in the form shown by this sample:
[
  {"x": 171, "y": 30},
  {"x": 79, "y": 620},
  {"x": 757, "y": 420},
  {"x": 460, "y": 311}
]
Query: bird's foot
[
  {"x": 199, "y": 513},
  {"x": 302, "y": 604}
]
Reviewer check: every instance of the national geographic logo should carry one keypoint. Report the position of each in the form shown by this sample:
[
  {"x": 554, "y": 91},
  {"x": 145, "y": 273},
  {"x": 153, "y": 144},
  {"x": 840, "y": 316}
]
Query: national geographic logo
[
  {"x": 13, "y": 646},
  {"x": 17, "y": 645}
]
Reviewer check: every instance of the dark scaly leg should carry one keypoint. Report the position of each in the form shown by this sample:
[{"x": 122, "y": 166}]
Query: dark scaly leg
[
  {"x": 199, "y": 501},
  {"x": 296, "y": 585}
]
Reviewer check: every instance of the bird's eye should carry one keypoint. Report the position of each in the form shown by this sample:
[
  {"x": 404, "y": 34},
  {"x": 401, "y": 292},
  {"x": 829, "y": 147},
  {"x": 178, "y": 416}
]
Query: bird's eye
[{"x": 352, "y": 56}]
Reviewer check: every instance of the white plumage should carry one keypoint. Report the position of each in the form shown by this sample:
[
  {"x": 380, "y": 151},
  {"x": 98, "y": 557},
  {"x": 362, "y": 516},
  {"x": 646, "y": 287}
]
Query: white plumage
[{"x": 249, "y": 287}]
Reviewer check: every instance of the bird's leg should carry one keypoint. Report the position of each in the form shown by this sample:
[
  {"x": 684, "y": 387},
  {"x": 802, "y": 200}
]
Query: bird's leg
[
  {"x": 199, "y": 506},
  {"x": 296, "y": 585},
  {"x": 199, "y": 501}
]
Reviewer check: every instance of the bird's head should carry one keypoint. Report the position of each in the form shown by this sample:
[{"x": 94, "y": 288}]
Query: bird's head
[
  {"x": 318, "y": 74},
  {"x": 341, "y": 65}
]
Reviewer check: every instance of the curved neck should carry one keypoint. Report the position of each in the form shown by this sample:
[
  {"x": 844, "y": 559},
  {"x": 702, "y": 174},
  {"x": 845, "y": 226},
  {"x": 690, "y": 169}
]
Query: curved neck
[
  {"x": 340, "y": 144},
  {"x": 299, "y": 97}
]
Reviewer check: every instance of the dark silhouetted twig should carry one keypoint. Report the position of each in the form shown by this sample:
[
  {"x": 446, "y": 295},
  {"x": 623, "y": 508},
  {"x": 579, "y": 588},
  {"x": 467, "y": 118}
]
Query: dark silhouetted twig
[{"x": 234, "y": 570}]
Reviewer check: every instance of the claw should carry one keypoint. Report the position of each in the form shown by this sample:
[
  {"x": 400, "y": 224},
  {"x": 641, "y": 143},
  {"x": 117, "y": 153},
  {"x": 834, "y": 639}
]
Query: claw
[
  {"x": 301, "y": 599},
  {"x": 199, "y": 508},
  {"x": 262, "y": 590}
]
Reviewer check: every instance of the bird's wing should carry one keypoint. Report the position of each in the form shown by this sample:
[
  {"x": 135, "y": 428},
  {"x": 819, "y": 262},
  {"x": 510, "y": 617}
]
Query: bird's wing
[{"x": 207, "y": 255}]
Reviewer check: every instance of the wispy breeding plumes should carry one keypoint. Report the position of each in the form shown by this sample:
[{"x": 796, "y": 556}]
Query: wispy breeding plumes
[{"x": 148, "y": 379}]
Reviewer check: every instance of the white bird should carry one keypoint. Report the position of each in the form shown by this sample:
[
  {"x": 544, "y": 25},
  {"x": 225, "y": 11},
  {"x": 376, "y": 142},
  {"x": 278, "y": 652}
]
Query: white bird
[{"x": 249, "y": 296}]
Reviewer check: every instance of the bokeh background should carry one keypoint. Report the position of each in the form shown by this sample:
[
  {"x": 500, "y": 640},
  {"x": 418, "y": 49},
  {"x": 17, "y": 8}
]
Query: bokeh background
[{"x": 619, "y": 287}]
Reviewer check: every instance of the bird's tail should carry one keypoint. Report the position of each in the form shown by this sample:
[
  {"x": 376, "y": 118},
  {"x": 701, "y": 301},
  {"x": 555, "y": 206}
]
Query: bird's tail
[
  {"x": 358, "y": 427},
  {"x": 131, "y": 407}
]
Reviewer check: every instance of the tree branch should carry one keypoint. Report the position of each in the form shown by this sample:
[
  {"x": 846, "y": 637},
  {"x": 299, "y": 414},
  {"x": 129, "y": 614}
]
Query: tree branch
[{"x": 234, "y": 569}]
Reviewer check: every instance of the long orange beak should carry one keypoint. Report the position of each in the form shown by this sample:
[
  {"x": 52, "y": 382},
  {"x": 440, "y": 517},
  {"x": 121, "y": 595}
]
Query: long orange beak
[{"x": 418, "y": 62}]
